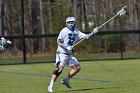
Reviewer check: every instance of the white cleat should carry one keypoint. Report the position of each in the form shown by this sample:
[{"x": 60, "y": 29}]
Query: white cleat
[
  {"x": 66, "y": 83},
  {"x": 50, "y": 89}
]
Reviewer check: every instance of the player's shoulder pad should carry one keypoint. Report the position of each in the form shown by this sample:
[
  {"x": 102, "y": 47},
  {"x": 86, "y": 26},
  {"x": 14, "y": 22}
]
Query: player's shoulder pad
[{"x": 65, "y": 28}]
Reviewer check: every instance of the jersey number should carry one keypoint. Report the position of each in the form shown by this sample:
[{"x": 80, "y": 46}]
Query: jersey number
[{"x": 71, "y": 40}]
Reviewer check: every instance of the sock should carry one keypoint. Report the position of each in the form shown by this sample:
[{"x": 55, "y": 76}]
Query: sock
[
  {"x": 51, "y": 83},
  {"x": 67, "y": 78}
]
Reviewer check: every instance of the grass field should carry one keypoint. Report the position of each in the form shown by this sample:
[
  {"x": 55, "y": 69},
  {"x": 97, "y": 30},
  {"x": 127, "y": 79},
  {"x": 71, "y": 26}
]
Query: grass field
[{"x": 110, "y": 76}]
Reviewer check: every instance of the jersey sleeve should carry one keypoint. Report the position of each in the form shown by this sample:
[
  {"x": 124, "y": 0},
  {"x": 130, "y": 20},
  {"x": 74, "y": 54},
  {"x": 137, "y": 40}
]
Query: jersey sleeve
[
  {"x": 82, "y": 35},
  {"x": 61, "y": 37}
]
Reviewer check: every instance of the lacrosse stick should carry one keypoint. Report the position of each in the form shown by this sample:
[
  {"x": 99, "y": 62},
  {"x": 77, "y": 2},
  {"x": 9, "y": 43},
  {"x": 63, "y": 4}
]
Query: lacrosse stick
[{"x": 123, "y": 11}]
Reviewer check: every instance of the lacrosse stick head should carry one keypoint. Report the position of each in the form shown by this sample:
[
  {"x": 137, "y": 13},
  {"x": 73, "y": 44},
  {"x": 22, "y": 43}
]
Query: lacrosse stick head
[{"x": 123, "y": 11}]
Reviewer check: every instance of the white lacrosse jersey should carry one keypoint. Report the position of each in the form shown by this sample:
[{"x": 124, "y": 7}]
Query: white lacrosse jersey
[{"x": 69, "y": 38}]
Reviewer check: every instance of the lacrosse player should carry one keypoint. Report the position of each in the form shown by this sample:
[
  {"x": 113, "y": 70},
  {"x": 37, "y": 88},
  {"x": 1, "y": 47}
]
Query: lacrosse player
[
  {"x": 4, "y": 43},
  {"x": 68, "y": 36}
]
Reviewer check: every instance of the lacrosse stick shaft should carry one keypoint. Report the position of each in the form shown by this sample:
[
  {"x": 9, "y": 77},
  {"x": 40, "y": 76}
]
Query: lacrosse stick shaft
[
  {"x": 121, "y": 12},
  {"x": 98, "y": 28},
  {"x": 108, "y": 21},
  {"x": 78, "y": 42}
]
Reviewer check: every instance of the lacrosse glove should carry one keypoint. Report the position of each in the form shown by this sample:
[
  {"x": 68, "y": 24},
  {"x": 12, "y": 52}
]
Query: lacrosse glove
[
  {"x": 95, "y": 30},
  {"x": 68, "y": 47}
]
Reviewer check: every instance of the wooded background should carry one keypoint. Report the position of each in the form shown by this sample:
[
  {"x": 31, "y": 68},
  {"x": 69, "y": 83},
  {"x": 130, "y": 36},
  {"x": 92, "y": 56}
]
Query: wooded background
[{"x": 48, "y": 17}]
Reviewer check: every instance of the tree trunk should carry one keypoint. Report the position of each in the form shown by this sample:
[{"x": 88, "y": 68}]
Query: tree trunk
[
  {"x": 35, "y": 24},
  {"x": 43, "y": 47}
]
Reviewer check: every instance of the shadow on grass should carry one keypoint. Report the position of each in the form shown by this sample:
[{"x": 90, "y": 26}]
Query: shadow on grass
[{"x": 86, "y": 89}]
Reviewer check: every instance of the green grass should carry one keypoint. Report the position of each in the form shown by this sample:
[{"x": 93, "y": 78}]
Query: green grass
[
  {"x": 110, "y": 76},
  {"x": 80, "y": 56}
]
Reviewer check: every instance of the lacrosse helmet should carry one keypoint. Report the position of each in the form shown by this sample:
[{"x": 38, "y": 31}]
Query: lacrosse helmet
[{"x": 70, "y": 22}]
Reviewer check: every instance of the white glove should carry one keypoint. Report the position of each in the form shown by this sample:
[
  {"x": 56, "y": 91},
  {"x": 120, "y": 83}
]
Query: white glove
[
  {"x": 68, "y": 47},
  {"x": 96, "y": 30},
  {"x": 9, "y": 42}
]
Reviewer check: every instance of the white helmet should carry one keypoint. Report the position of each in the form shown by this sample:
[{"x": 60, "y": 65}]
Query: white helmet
[
  {"x": 70, "y": 19},
  {"x": 70, "y": 22}
]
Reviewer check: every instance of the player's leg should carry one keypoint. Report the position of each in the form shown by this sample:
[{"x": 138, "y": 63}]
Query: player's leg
[
  {"x": 60, "y": 63},
  {"x": 54, "y": 76},
  {"x": 75, "y": 68}
]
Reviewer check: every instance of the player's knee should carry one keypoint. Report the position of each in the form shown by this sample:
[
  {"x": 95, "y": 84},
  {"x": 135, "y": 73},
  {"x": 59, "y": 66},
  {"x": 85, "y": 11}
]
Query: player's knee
[
  {"x": 57, "y": 72},
  {"x": 78, "y": 68}
]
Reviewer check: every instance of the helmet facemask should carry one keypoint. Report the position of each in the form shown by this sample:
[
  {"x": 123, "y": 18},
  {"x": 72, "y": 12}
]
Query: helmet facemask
[
  {"x": 70, "y": 22},
  {"x": 71, "y": 25}
]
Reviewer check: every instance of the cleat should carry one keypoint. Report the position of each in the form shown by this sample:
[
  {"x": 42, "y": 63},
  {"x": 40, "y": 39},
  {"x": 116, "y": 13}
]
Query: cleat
[
  {"x": 66, "y": 83},
  {"x": 50, "y": 89}
]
